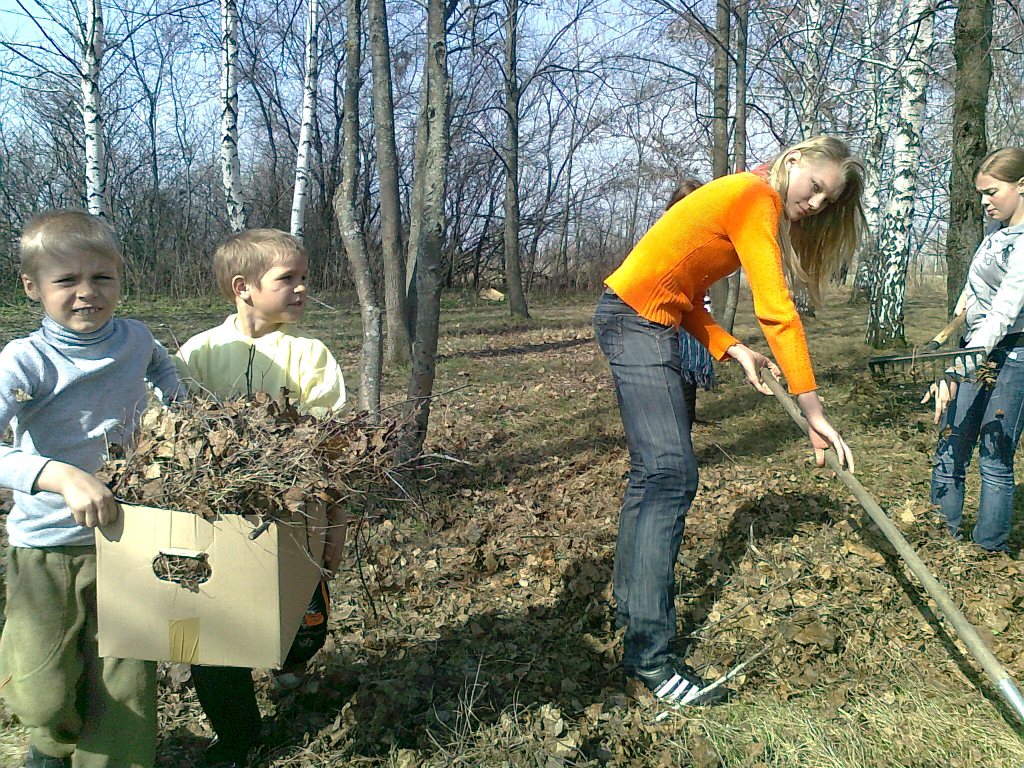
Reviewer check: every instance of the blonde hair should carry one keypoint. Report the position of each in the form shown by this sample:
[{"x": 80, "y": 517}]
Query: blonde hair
[
  {"x": 251, "y": 253},
  {"x": 61, "y": 233},
  {"x": 815, "y": 247},
  {"x": 1005, "y": 164}
]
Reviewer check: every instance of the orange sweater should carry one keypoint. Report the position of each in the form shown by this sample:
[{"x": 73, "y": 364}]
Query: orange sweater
[{"x": 730, "y": 222}]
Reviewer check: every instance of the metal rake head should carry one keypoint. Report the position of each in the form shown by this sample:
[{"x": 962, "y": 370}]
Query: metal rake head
[{"x": 922, "y": 368}]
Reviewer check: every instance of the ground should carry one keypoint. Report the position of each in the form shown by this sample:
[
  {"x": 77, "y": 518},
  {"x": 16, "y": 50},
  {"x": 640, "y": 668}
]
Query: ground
[{"x": 472, "y": 622}]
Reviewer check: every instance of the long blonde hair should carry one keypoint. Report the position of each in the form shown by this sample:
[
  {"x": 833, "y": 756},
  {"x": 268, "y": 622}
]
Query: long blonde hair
[{"x": 815, "y": 247}]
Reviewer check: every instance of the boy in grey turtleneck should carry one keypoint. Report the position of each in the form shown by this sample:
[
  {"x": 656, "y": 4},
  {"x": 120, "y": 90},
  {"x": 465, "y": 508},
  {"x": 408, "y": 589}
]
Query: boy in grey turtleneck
[{"x": 67, "y": 391}]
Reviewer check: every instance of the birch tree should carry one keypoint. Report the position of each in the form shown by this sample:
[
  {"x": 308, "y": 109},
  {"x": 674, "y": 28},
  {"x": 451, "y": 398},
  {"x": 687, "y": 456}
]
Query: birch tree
[
  {"x": 92, "y": 110},
  {"x": 875, "y": 127},
  {"x": 397, "y": 346},
  {"x": 885, "y": 318},
  {"x": 231, "y": 173},
  {"x": 309, "y": 86}
]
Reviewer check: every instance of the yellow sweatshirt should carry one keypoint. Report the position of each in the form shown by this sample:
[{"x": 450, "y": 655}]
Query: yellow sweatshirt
[
  {"x": 730, "y": 222},
  {"x": 217, "y": 361}
]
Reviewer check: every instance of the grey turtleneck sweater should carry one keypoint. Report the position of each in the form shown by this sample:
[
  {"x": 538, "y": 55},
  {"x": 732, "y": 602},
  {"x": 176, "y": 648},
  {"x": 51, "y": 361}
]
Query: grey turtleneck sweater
[{"x": 66, "y": 396}]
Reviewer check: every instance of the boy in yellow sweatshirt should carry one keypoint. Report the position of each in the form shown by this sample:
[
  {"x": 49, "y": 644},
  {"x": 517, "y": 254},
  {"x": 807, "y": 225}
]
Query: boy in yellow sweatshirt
[{"x": 257, "y": 349}]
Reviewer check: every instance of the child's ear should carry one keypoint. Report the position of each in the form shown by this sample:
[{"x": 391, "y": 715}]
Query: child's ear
[
  {"x": 240, "y": 287},
  {"x": 30, "y": 287}
]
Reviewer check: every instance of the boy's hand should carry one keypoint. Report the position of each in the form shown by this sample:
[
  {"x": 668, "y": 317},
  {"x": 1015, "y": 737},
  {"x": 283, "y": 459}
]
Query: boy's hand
[{"x": 90, "y": 501}]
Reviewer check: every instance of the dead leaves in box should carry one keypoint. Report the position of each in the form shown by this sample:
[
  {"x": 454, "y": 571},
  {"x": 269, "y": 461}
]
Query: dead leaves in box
[{"x": 258, "y": 457}]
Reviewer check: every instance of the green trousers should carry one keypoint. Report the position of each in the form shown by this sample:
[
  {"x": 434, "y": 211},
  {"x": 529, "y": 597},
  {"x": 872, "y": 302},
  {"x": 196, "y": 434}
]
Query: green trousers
[{"x": 100, "y": 711}]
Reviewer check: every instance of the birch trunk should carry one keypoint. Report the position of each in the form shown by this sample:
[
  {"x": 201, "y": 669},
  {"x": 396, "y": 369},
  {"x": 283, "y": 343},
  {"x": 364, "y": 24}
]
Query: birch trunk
[
  {"x": 397, "y": 347},
  {"x": 513, "y": 265},
  {"x": 231, "y": 173},
  {"x": 885, "y": 319},
  {"x": 433, "y": 173},
  {"x": 308, "y": 116},
  {"x": 972, "y": 43},
  {"x": 92, "y": 111},
  {"x": 810, "y": 97},
  {"x": 874, "y": 147},
  {"x": 370, "y": 358}
]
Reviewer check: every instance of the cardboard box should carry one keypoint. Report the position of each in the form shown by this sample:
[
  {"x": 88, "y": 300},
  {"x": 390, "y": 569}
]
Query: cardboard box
[{"x": 243, "y": 610}]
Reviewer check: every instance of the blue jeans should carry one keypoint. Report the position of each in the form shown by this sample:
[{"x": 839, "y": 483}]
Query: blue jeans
[
  {"x": 644, "y": 358},
  {"x": 996, "y": 416}
]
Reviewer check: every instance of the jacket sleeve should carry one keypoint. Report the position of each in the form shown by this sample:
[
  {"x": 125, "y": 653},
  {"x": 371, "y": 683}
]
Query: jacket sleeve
[{"x": 19, "y": 385}]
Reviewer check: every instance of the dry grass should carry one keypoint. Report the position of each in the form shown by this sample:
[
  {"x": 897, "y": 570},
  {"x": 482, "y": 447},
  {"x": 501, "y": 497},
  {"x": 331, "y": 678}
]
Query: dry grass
[{"x": 475, "y": 628}]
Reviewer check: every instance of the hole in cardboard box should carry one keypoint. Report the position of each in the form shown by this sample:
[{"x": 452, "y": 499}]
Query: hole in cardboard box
[{"x": 184, "y": 568}]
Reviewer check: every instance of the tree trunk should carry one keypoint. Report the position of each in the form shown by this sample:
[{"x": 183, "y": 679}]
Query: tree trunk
[
  {"x": 433, "y": 172},
  {"x": 231, "y": 173},
  {"x": 720, "y": 125},
  {"x": 739, "y": 144},
  {"x": 812, "y": 76},
  {"x": 972, "y": 42},
  {"x": 885, "y": 320},
  {"x": 397, "y": 349},
  {"x": 513, "y": 264},
  {"x": 875, "y": 131},
  {"x": 370, "y": 358},
  {"x": 92, "y": 112},
  {"x": 298, "y": 226}
]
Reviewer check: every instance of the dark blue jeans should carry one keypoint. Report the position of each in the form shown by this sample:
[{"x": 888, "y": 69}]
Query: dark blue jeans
[
  {"x": 644, "y": 358},
  {"x": 992, "y": 418}
]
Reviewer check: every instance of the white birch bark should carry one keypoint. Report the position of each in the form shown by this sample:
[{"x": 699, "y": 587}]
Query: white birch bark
[
  {"x": 812, "y": 74},
  {"x": 308, "y": 115},
  {"x": 885, "y": 319},
  {"x": 231, "y": 173},
  {"x": 875, "y": 126},
  {"x": 92, "y": 111}
]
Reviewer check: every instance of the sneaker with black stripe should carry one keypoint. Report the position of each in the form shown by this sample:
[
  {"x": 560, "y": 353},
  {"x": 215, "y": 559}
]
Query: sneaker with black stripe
[{"x": 678, "y": 685}]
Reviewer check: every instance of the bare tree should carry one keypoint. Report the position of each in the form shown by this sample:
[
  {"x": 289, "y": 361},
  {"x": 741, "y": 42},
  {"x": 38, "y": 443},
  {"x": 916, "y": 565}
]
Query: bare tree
[
  {"x": 298, "y": 225},
  {"x": 972, "y": 44},
  {"x": 397, "y": 349},
  {"x": 432, "y": 173},
  {"x": 231, "y": 173},
  {"x": 92, "y": 111},
  {"x": 513, "y": 264},
  {"x": 885, "y": 319},
  {"x": 351, "y": 233}
]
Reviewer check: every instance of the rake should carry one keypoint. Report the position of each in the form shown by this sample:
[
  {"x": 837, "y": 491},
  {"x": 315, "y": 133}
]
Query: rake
[
  {"x": 927, "y": 364},
  {"x": 948, "y": 608}
]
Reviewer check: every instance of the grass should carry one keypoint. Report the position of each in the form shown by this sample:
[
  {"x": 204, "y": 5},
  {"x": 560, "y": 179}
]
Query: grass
[{"x": 473, "y": 627}]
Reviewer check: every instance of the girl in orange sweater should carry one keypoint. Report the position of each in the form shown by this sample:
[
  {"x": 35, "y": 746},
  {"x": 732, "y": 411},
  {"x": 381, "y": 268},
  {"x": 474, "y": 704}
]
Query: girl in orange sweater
[{"x": 798, "y": 219}]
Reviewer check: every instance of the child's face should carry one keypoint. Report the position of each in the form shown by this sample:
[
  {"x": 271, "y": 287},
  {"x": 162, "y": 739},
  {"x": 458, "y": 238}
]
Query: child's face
[
  {"x": 80, "y": 291},
  {"x": 813, "y": 186},
  {"x": 1002, "y": 200},
  {"x": 280, "y": 295}
]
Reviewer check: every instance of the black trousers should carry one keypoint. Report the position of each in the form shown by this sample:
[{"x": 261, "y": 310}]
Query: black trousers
[{"x": 228, "y": 695}]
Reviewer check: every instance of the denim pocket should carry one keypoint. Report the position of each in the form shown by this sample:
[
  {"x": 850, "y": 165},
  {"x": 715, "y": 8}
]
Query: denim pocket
[{"x": 608, "y": 330}]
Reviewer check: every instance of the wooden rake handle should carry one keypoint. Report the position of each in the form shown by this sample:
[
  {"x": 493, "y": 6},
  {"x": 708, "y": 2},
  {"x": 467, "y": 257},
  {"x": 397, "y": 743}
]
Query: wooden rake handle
[
  {"x": 943, "y": 336},
  {"x": 962, "y": 627}
]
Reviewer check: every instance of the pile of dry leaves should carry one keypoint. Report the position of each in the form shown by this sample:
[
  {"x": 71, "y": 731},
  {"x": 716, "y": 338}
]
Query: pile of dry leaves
[{"x": 259, "y": 457}]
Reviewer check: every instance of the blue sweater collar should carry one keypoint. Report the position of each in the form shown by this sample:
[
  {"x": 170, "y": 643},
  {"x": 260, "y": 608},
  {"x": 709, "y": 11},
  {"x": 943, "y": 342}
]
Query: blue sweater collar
[{"x": 59, "y": 336}]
